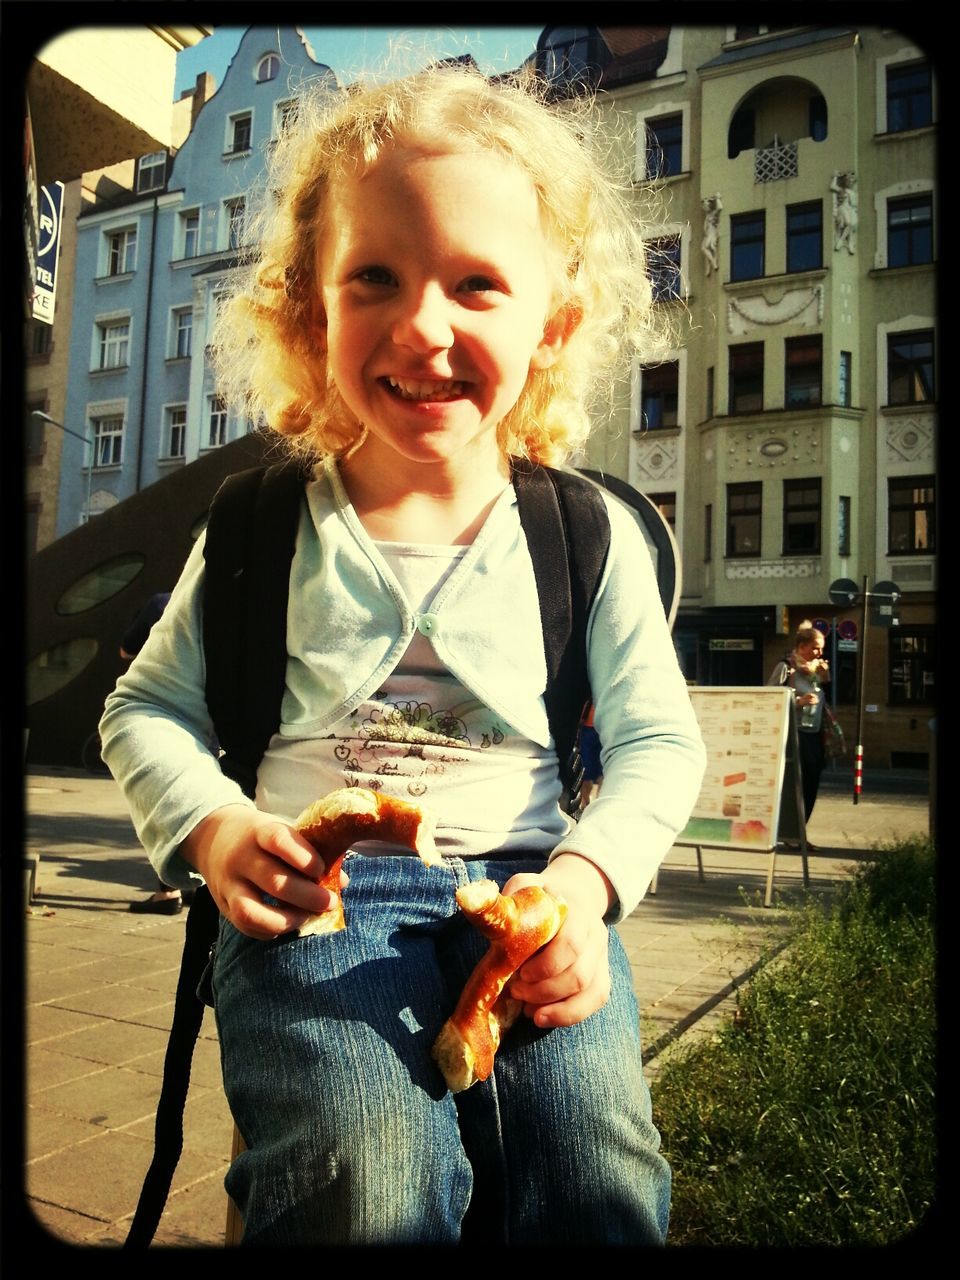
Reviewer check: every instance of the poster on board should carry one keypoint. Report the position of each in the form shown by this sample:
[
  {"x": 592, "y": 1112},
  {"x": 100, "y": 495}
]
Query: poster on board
[{"x": 746, "y": 732}]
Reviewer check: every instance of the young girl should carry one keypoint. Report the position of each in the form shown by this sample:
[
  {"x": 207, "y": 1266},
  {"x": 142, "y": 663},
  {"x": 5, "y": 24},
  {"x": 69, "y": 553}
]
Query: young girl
[{"x": 440, "y": 282}]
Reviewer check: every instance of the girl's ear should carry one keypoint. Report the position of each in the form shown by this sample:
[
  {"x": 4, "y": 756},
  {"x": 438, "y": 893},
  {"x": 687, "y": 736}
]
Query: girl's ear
[{"x": 558, "y": 329}]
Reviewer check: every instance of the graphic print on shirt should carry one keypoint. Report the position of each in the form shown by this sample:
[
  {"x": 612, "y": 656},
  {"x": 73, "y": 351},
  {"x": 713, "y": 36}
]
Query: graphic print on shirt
[{"x": 408, "y": 738}]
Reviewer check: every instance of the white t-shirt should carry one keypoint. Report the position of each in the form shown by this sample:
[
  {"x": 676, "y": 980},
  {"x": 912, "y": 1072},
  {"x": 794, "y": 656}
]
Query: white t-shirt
[{"x": 425, "y": 737}]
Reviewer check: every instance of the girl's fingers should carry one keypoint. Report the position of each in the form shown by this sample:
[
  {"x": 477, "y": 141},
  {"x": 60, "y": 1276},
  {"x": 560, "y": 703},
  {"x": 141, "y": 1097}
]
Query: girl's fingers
[
  {"x": 567, "y": 1013},
  {"x": 247, "y": 912},
  {"x": 287, "y": 844}
]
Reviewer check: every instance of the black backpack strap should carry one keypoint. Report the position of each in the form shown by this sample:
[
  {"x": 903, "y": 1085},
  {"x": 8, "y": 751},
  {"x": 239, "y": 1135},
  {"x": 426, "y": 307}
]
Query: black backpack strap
[
  {"x": 202, "y": 921},
  {"x": 251, "y": 535},
  {"x": 567, "y": 529},
  {"x": 250, "y": 539}
]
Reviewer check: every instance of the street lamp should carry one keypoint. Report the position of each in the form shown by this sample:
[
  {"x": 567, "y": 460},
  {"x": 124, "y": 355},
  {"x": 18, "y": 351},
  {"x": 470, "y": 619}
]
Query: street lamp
[{"x": 45, "y": 417}]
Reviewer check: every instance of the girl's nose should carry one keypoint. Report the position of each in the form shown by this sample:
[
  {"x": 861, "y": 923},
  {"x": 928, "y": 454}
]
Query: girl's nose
[{"x": 423, "y": 322}]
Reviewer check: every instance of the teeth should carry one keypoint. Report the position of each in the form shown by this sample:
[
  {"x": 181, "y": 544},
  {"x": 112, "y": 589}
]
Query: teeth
[{"x": 411, "y": 389}]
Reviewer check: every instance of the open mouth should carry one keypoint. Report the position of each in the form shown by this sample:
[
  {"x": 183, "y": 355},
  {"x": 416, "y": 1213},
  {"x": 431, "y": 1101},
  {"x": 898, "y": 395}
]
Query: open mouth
[{"x": 416, "y": 389}]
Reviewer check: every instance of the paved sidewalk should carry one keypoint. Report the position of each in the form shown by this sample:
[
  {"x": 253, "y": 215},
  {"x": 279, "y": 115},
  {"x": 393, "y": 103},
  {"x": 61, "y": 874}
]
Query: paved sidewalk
[{"x": 100, "y": 984}]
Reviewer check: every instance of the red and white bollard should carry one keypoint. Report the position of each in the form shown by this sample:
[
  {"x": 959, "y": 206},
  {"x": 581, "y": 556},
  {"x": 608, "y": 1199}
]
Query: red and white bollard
[{"x": 858, "y": 773}]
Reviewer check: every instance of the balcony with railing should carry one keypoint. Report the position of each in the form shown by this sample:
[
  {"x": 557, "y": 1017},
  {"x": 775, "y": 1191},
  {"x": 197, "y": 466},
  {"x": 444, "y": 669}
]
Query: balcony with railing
[{"x": 777, "y": 161}]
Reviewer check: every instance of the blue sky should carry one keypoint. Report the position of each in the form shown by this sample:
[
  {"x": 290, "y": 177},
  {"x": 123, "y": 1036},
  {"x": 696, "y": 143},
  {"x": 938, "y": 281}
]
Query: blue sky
[{"x": 351, "y": 49}]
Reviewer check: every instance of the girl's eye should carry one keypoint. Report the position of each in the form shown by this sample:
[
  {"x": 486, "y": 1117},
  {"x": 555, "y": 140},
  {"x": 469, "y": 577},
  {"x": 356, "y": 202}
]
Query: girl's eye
[
  {"x": 478, "y": 284},
  {"x": 376, "y": 275}
]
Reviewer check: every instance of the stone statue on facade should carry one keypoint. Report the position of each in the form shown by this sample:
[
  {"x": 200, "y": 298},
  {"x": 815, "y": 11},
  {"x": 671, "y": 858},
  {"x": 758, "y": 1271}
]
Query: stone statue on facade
[
  {"x": 844, "y": 211},
  {"x": 710, "y": 243}
]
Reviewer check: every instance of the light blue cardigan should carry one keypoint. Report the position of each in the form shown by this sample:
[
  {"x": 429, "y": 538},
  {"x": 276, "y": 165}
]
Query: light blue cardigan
[{"x": 348, "y": 626}]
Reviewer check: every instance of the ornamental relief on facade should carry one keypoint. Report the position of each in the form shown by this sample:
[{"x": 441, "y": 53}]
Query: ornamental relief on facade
[
  {"x": 654, "y": 460},
  {"x": 794, "y": 306},
  {"x": 805, "y": 568},
  {"x": 751, "y": 451},
  {"x": 911, "y": 439}
]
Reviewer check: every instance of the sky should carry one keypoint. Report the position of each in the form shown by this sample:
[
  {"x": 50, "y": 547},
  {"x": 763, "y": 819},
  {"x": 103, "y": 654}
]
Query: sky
[{"x": 348, "y": 50}]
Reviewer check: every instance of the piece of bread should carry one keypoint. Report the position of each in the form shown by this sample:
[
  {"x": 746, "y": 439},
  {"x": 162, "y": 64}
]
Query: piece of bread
[
  {"x": 339, "y": 820},
  {"x": 517, "y": 925}
]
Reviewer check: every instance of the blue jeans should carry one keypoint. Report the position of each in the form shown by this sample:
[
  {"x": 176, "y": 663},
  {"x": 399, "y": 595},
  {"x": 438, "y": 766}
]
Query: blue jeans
[{"x": 352, "y": 1135}]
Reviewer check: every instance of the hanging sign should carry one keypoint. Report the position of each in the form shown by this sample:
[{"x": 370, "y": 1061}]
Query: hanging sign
[{"x": 48, "y": 252}]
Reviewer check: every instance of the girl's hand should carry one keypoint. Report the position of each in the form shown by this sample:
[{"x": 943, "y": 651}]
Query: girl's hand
[
  {"x": 243, "y": 854},
  {"x": 569, "y": 978}
]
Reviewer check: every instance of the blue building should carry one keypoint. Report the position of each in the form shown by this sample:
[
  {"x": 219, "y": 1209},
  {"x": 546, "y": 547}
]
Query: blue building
[{"x": 150, "y": 266}]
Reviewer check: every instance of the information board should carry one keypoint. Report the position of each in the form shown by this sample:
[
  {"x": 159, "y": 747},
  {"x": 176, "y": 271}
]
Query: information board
[
  {"x": 745, "y": 731},
  {"x": 750, "y": 796}
]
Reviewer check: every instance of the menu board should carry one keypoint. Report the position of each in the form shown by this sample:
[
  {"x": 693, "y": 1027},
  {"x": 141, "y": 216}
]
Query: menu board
[{"x": 745, "y": 731}]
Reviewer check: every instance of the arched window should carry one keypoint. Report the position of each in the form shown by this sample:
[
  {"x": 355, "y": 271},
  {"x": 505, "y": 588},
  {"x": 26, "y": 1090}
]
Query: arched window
[
  {"x": 268, "y": 68},
  {"x": 568, "y": 55}
]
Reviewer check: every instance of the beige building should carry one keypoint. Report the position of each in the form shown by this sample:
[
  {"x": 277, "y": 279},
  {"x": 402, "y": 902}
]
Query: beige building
[
  {"x": 791, "y": 439},
  {"x": 94, "y": 98}
]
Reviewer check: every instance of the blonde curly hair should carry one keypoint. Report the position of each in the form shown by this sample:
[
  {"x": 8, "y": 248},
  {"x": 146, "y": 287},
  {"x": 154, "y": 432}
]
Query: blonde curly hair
[{"x": 268, "y": 344}]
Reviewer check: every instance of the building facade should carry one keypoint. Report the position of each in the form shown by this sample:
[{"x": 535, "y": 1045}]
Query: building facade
[
  {"x": 150, "y": 266},
  {"x": 791, "y": 440},
  {"x": 85, "y": 115}
]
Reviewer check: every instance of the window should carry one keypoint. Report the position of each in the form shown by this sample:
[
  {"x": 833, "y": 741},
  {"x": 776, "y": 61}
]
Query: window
[
  {"x": 190, "y": 233},
  {"x": 710, "y": 392},
  {"x": 107, "y": 441},
  {"x": 843, "y": 527},
  {"x": 912, "y": 659},
  {"x": 41, "y": 338},
  {"x": 113, "y": 338},
  {"x": 801, "y": 517},
  {"x": 909, "y": 96},
  {"x": 665, "y": 146},
  {"x": 746, "y": 377},
  {"x": 759, "y": 29},
  {"x": 805, "y": 236},
  {"x": 567, "y": 54},
  {"x": 151, "y": 171},
  {"x": 182, "y": 332},
  {"x": 121, "y": 251},
  {"x": 817, "y": 117},
  {"x": 744, "y": 509},
  {"x": 708, "y": 532},
  {"x": 174, "y": 430},
  {"x": 802, "y": 374},
  {"x": 663, "y": 267},
  {"x": 239, "y": 128},
  {"x": 911, "y": 505},
  {"x": 34, "y": 431},
  {"x": 659, "y": 388},
  {"x": 747, "y": 231},
  {"x": 666, "y": 504},
  {"x": 910, "y": 368},
  {"x": 236, "y": 213},
  {"x": 845, "y": 380},
  {"x": 740, "y": 136},
  {"x": 268, "y": 68},
  {"x": 32, "y": 510},
  {"x": 910, "y": 231},
  {"x": 285, "y": 114},
  {"x": 216, "y": 422}
]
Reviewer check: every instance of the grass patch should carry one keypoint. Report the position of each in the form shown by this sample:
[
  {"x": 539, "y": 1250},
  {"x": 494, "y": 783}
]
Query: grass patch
[{"x": 809, "y": 1119}]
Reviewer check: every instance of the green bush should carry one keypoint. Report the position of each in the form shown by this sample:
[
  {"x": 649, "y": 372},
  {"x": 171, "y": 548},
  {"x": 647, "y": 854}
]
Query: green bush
[{"x": 809, "y": 1118}]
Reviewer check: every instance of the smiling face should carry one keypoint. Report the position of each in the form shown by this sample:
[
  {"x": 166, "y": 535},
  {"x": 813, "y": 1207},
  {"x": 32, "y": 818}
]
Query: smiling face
[{"x": 436, "y": 287}]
